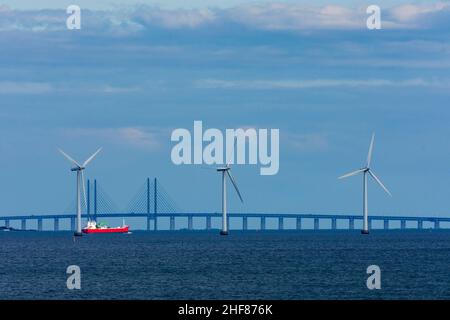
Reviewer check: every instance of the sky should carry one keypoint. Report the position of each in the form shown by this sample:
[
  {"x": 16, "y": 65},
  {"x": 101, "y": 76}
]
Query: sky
[
  {"x": 185, "y": 4},
  {"x": 139, "y": 69}
]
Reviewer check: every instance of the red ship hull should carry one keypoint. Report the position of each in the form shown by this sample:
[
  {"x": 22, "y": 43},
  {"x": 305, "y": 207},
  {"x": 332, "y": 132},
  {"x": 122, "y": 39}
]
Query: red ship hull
[{"x": 107, "y": 230}]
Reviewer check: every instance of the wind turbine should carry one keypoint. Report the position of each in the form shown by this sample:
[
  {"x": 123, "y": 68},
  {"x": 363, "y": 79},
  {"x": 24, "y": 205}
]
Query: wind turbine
[
  {"x": 80, "y": 181},
  {"x": 226, "y": 171},
  {"x": 365, "y": 171}
]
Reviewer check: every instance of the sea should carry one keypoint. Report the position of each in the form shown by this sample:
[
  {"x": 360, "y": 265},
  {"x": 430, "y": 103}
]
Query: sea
[{"x": 291, "y": 265}]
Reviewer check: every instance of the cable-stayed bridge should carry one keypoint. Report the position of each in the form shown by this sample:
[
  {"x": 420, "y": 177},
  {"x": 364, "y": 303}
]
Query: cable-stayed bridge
[{"x": 156, "y": 210}]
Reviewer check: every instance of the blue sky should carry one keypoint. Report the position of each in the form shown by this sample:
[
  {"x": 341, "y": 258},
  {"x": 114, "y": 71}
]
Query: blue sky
[{"x": 133, "y": 74}]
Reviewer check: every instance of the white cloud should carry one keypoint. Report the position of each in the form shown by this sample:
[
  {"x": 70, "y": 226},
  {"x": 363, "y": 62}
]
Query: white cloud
[
  {"x": 393, "y": 63},
  {"x": 146, "y": 138},
  {"x": 316, "y": 83},
  {"x": 8, "y": 87},
  {"x": 262, "y": 16},
  {"x": 173, "y": 19},
  {"x": 410, "y": 12},
  {"x": 140, "y": 137},
  {"x": 285, "y": 16},
  {"x": 306, "y": 142},
  {"x": 113, "y": 89},
  {"x": 282, "y": 16}
]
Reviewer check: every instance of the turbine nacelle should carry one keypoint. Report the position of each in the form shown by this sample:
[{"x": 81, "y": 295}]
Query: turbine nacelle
[{"x": 77, "y": 169}]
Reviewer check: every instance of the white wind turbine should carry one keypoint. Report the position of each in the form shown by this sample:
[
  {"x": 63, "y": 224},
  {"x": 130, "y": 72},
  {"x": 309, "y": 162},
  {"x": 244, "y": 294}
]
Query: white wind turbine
[
  {"x": 80, "y": 181},
  {"x": 226, "y": 171},
  {"x": 366, "y": 170}
]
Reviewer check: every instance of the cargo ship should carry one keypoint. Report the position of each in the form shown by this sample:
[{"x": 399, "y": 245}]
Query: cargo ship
[{"x": 94, "y": 227}]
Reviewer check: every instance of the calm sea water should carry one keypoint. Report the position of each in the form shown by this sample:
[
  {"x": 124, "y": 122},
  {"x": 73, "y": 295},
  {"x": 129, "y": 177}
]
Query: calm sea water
[{"x": 203, "y": 265}]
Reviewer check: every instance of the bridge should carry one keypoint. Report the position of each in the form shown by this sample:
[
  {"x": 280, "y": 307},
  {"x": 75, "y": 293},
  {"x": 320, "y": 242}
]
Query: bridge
[
  {"x": 152, "y": 205},
  {"x": 152, "y": 220}
]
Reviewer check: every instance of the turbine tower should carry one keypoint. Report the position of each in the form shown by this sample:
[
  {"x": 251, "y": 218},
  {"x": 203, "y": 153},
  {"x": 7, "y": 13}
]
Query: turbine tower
[
  {"x": 80, "y": 181},
  {"x": 226, "y": 171},
  {"x": 367, "y": 171}
]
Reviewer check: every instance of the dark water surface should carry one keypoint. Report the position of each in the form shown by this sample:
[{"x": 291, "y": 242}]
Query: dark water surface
[{"x": 244, "y": 265}]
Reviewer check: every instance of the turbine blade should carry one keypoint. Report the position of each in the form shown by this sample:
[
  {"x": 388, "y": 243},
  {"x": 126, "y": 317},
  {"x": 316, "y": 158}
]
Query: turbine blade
[
  {"x": 91, "y": 157},
  {"x": 369, "y": 155},
  {"x": 230, "y": 156},
  {"x": 83, "y": 182},
  {"x": 351, "y": 174},
  {"x": 69, "y": 158},
  {"x": 235, "y": 185},
  {"x": 379, "y": 182}
]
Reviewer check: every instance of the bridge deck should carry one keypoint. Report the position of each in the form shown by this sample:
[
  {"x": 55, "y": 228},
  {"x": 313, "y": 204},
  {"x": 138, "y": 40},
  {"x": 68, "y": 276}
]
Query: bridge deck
[{"x": 231, "y": 215}]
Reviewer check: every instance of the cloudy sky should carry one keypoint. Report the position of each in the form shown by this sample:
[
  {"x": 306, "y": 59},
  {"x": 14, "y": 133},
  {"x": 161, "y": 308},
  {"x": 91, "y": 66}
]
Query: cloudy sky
[{"x": 139, "y": 69}]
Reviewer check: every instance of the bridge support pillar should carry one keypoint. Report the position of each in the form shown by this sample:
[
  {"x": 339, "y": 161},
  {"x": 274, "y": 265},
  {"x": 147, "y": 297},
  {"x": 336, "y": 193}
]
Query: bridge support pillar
[
  {"x": 420, "y": 224},
  {"x": 244, "y": 223},
  {"x": 190, "y": 222},
  {"x": 56, "y": 224},
  {"x": 299, "y": 223},
  {"x": 172, "y": 223},
  {"x": 39, "y": 224},
  {"x": 155, "y": 223},
  {"x": 333, "y": 223},
  {"x": 280, "y": 223},
  {"x": 263, "y": 223},
  {"x": 72, "y": 224},
  {"x": 316, "y": 223},
  {"x": 351, "y": 224},
  {"x": 403, "y": 224},
  {"x": 437, "y": 224},
  {"x": 208, "y": 223},
  {"x": 148, "y": 223},
  {"x": 7, "y": 223},
  {"x": 24, "y": 224},
  {"x": 386, "y": 224}
]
